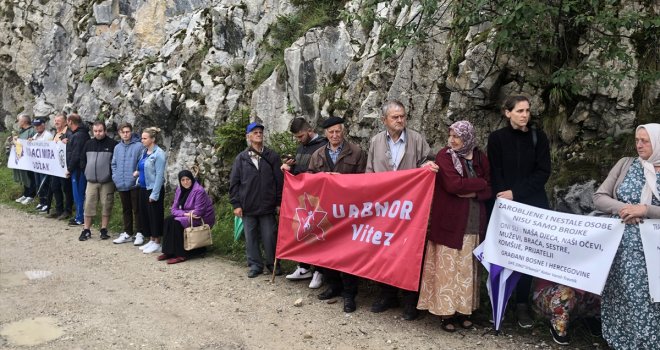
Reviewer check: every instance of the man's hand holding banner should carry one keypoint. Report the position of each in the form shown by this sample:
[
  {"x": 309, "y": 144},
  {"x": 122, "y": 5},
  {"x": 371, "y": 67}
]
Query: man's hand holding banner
[{"x": 368, "y": 225}]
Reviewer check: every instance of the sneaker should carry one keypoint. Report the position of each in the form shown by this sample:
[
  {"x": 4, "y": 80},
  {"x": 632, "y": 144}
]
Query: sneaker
[
  {"x": 299, "y": 274},
  {"x": 155, "y": 248},
  {"x": 85, "y": 235},
  {"x": 317, "y": 280},
  {"x": 74, "y": 222},
  {"x": 139, "y": 239},
  {"x": 522, "y": 315},
  {"x": 104, "y": 233},
  {"x": 44, "y": 210},
  {"x": 561, "y": 340},
  {"x": 38, "y": 207},
  {"x": 123, "y": 238},
  {"x": 27, "y": 200},
  {"x": 20, "y": 199},
  {"x": 145, "y": 246}
]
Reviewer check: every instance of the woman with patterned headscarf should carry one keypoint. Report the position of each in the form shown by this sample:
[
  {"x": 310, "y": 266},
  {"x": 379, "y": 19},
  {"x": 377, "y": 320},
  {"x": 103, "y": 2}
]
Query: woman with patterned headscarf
[
  {"x": 631, "y": 192},
  {"x": 450, "y": 286}
]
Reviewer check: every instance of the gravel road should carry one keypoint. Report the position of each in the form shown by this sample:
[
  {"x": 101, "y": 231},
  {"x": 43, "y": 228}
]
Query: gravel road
[{"x": 59, "y": 293}]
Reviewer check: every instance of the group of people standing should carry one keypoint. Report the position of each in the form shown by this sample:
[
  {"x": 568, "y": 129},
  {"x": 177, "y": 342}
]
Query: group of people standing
[
  {"x": 99, "y": 166},
  {"x": 516, "y": 166}
]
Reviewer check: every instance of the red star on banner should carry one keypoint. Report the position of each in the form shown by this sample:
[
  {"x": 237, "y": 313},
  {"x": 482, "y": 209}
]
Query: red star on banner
[{"x": 310, "y": 218}]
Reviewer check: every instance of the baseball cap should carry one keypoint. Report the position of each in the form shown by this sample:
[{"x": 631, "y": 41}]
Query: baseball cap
[
  {"x": 37, "y": 122},
  {"x": 253, "y": 126}
]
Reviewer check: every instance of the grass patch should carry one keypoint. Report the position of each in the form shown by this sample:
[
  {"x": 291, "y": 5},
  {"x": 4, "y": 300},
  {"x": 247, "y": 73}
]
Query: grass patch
[{"x": 110, "y": 72}]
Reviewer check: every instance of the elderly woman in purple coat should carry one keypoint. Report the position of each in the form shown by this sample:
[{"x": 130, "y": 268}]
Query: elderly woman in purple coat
[{"x": 190, "y": 203}]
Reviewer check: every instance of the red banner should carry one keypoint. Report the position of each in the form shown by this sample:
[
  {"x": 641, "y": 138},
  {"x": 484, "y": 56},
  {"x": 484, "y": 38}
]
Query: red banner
[{"x": 368, "y": 225}]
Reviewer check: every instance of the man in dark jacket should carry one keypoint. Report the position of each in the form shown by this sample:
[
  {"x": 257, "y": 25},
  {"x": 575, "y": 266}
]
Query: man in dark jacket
[
  {"x": 255, "y": 190},
  {"x": 343, "y": 157},
  {"x": 96, "y": 159},
  {"x": 76, "y": 138},
  {"x": 309, "y": 141}
]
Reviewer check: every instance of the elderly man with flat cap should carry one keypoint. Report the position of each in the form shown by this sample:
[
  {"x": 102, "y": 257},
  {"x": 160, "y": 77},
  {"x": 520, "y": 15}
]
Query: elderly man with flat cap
[
  {"x": 255, "y": 190},
  {"x": 397, "y": 148},
  {"x": 339, "y": 157}
]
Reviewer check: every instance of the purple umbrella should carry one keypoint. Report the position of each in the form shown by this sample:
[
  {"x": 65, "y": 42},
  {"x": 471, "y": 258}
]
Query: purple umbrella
[{"x": 500, "y": 285}]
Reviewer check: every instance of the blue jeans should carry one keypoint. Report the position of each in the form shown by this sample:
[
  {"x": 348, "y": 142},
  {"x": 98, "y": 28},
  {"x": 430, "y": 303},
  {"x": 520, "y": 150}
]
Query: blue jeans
[{"x": 79, "y": 184}]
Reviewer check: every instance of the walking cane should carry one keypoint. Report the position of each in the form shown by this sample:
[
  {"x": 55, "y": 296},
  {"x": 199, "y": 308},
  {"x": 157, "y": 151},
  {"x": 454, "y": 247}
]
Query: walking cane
[{"x": 272, "y": 278}]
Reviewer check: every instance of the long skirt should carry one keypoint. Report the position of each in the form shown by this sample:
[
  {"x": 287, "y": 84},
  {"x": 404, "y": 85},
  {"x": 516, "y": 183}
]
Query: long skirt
[
  {"x": 173, "y": 240},
  {"x": 450, "y": 283}
]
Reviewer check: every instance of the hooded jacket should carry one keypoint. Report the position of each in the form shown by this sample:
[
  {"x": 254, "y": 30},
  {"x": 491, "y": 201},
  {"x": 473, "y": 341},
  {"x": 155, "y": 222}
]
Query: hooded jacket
[
  {"x": 74, "y": 147},
  {"x": 96, "y": 159},
  {"x": 125, "y": 158},
  {"x": 304, "y": 154}
]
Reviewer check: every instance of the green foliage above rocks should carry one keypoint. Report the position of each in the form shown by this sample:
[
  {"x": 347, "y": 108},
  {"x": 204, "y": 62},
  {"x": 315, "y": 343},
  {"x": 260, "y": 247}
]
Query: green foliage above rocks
[{"x": 110, "y": 73}]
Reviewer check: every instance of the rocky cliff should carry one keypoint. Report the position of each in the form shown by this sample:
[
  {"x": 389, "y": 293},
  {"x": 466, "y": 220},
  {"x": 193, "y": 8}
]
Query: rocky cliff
[{"x": 189, "y": 66}]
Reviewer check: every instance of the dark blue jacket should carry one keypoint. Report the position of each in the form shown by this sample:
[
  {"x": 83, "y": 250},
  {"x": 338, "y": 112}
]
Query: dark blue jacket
[
  {"x": 256, "y": 191},
  {"x": 74, "y": 148}
]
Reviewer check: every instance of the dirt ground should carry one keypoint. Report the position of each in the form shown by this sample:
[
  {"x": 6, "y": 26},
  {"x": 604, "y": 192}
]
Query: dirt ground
[{"x": 59, "y": 293}]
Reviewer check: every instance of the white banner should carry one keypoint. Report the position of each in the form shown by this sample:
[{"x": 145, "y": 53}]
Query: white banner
[
  {"x": 46, "y": 157},
  {"x": 574, "y": 250},
  {"x": 650, "y": 232}
]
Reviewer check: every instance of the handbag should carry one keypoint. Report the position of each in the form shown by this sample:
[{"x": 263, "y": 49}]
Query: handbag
[{"x": 197, "y": 236}]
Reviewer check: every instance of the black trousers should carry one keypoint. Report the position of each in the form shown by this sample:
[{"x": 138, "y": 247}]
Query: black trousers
[
  {"x": 151, "y": 213},
  {"x": 130, "y": 209},
  {"x": 523, "y": 288},
  {"x": 60, "y": 189},
  {"x": 346, "y": 283},
  {"x": 391, "y": 292}
]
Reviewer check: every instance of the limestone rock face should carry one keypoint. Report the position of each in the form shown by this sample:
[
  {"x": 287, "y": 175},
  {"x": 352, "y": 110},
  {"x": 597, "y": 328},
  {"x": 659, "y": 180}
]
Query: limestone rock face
[{"x": 188, "y": 66}]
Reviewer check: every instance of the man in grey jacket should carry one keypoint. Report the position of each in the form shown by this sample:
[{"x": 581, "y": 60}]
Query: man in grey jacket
[
  {"x": 124, "y": 164},
  {"x": 96, "y": 159},
  {"x": 397, "y": 148}
]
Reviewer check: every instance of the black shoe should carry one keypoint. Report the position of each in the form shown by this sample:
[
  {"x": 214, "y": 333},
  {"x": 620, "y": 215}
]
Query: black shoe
[
  {"x": 64, "y": 216},
  {"x": 104, "y": 233},
  {"x": 73, "y": 222},
  {"x": 561, "y": 340},
  {"x": 349, "y": 305},
  {"x": 254, "y": 273},
  {"x": 409, "y": 312},
  {"x": 594, "y": 326},
  {"x": 383, "y": 304},
  {"x": 329, "y": 294},
  {"x": 85, "y": 235}
]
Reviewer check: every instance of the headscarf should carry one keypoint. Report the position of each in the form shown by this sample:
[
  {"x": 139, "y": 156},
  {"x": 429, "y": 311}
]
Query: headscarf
[
  {"x": 650, "y": 188},
  {"x": 465, "y": 131},
  {"x": 185, "y": 192}
]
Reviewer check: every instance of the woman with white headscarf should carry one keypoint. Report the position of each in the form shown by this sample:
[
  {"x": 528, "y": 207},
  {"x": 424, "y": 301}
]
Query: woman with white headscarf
[
  {"x": 631, "y": 192},
  {"x": 450, "y": 287}
]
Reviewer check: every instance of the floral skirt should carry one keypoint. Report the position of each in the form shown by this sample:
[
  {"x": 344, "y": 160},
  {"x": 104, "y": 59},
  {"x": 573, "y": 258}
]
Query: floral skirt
[{"x": 450, "y": 283}]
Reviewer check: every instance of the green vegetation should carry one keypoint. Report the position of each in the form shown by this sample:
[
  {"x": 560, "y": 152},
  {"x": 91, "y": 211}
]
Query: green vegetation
[
  {"x": 109, "y": 72},
  {"x": 230, "y": 136},
  {"x": 140, "y": 68},
  {"x": 282, "y": 142}
]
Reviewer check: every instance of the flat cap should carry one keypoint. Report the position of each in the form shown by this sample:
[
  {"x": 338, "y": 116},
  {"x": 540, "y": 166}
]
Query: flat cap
[{"x": 332, "y": 121}]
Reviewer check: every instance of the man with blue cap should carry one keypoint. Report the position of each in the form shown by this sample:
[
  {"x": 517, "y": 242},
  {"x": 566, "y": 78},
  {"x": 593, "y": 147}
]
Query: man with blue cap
[{"x": 255, "y": 190}]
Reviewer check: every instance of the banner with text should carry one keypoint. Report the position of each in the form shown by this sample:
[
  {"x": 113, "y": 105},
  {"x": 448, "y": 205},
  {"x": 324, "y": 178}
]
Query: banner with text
[
  {"x": 369, "y": 225},
  {"x": 574, "y": 250},
  {"x": 47, "y": 157},
  {"x": 650, "y": 232}
]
